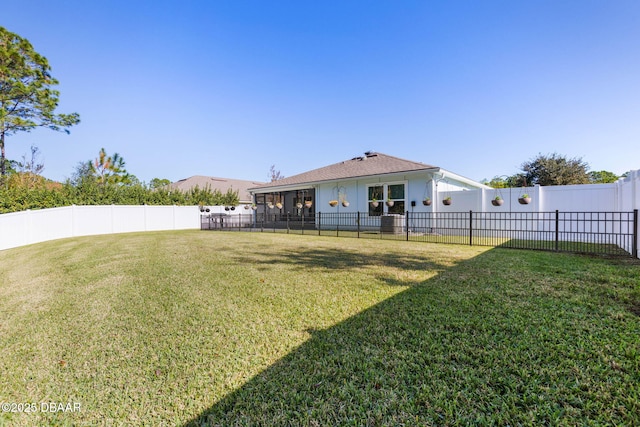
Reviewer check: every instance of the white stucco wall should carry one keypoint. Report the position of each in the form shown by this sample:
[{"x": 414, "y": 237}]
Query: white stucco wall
[{"x": 417, "y": 187}]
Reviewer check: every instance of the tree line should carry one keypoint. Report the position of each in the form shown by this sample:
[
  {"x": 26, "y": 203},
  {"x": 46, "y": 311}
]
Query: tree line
[
  {"x": 553, "y": 169},
  {"x": 103, "y": 181}
]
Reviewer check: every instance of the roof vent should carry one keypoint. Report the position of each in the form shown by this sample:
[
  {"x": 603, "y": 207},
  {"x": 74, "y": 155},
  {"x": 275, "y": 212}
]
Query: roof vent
[{"x": 370, "y": 153}]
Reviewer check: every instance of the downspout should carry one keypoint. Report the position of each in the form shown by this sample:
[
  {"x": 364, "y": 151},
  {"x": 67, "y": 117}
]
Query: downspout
[
  {"x": 254, "y": 212},
  {"x": 434, "y": 188},
  {"x": 436, "y": 178}
]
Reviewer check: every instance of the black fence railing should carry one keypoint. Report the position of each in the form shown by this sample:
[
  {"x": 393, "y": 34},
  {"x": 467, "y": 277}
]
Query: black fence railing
[{"x": 609, "y": 233}]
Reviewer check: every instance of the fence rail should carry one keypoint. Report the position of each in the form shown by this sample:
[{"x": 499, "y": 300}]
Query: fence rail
[{"x": 609, "y": 233}]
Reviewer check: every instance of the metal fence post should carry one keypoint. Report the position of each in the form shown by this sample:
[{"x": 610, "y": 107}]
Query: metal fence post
[
  {"x": 470, "y": 228},
  {"x": 634, "y": 251},
  {"x": 358, "y": 224},
  {"x": 557, "y": 230},
  {"x": 407, "y": 225},
  {"x": 319, "y": 222}
]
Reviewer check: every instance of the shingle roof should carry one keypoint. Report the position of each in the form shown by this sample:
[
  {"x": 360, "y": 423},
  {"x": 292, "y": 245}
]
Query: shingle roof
[
  {"x": 222, "y": 184},
  {"x": 368, "y": 165}
]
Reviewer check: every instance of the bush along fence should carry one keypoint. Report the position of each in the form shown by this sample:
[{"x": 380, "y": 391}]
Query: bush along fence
[{"x": 606, "y": 233}]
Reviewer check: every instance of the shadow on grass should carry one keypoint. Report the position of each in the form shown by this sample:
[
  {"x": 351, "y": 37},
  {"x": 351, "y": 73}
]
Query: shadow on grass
[
  {"x": 344, "y": 260},
  {"x": 576, "y": 247},
  {"x": 465, "y": 347}
]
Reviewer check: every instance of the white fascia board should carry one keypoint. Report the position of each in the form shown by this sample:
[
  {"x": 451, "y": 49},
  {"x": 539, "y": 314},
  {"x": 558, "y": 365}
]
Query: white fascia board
[
  {"x": 283, "y": 188},
  {"x": 464, "y": 180}
]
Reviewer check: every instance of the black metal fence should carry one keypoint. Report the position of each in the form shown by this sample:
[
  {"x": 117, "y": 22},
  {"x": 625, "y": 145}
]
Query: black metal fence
[{"x": 609, "y": 233}]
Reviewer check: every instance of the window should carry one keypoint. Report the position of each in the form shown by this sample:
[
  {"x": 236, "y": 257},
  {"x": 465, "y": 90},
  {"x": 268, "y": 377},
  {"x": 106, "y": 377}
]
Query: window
[
  {"x": 376, "y": 194},
  {"x": 395, "y": 193},
  {"x": 382, "y": 193}
]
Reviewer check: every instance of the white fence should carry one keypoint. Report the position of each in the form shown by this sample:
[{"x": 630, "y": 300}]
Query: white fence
[
  {"x": 587, "y": 200},
  {"x": 621, "y": 196},
  {"x": 27, "y": 227}
]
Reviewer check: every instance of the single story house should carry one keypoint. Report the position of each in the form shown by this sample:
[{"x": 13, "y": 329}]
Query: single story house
[
  {"x": 221, "y": 184},
  {"x": 361, "y": 184}
]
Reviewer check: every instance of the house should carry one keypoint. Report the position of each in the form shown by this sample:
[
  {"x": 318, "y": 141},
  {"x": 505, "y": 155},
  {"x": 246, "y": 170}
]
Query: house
[
  {"x": 221, "y": 184},
  {"x": 361, "y": 184}
]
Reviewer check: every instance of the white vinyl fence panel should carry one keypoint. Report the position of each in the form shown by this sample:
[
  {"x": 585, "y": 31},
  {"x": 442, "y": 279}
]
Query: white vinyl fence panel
[{"x": 27, "y": 227}]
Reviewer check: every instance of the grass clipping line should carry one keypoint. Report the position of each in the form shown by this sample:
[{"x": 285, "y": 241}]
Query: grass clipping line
[{"x": 196, "y": 328}]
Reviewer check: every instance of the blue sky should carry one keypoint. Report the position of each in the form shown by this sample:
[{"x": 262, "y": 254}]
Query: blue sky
[{"x": 228, "y": 88}]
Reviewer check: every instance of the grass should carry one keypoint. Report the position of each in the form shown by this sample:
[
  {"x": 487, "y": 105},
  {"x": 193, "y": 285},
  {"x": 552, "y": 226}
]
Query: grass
[
  {"x": 201, "y": 328},
  {"x": 538, "y": 241}
]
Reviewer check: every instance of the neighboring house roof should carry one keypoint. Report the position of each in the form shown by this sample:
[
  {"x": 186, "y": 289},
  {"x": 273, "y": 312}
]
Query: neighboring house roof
[
  {"x": 368, "y": 165},
  {"x": 221, "y": 184}
]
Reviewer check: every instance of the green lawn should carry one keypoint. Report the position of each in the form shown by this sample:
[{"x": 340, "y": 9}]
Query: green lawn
[{"x": 198, "y": 328}]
